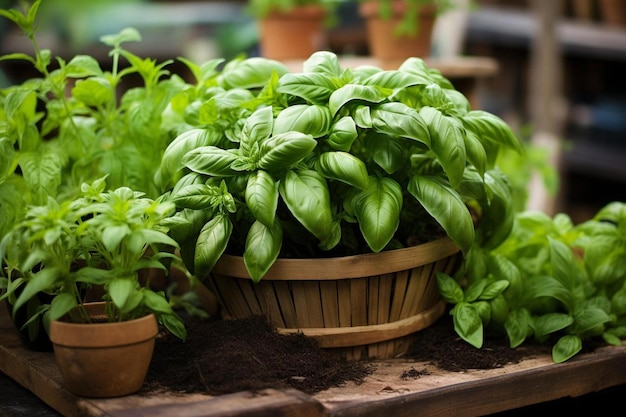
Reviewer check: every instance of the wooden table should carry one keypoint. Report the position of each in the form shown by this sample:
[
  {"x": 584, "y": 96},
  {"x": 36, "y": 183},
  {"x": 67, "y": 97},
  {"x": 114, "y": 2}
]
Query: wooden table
[{"x": 383, "y": 393}]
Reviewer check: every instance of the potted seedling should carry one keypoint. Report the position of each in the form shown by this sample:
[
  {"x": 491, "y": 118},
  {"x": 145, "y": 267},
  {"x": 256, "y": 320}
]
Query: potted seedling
[
  {"x": 399, "y": 29},
  {"x": 292, "y": 29},
  {"x": 336, "y": 173},
  {"x": 99, "y": 243}
]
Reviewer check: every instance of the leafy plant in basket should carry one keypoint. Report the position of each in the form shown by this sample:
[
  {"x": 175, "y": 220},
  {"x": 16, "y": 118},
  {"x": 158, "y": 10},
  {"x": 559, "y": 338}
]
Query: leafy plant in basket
[
  {"x": 101, "y": 241},
  {"x": 550, "y": 280},
  {"x": 334, "y": 161}
]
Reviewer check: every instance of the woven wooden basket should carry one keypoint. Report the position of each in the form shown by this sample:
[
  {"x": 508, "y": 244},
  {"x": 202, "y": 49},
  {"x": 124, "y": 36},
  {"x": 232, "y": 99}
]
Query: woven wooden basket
[{"x": 363, "y": 306}]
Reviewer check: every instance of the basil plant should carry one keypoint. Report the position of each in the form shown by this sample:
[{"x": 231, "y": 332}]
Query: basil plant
[{"x": 330, "y": 161}]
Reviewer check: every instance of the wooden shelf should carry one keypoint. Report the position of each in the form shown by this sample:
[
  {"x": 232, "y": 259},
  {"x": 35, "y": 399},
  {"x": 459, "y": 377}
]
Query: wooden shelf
[
  {"x": 440, "y": 393},
  {"x": 497, "y": 25}
]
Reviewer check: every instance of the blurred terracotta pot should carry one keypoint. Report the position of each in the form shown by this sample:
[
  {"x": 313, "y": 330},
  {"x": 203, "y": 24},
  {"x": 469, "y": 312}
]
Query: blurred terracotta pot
[{"x": 292, "y": 35}]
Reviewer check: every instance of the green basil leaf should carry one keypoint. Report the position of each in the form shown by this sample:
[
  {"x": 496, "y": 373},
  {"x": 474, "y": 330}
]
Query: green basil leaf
[
  {"x": 254, "y": 72},
  {"x": 549, "y": 323},
  {"x": 211, "y": 160},
  {"x": 342, "y": 134},
  {"x": 378, "y": 209},
  {"x": 546, "y": 286},
  {"x": 120, "y": 290},
  {"x": 476, "y": 153},
  {"x": 490, "y": 127},
  {"x": 211, "y": 244},
  {"x": 566, "y": 347},
  {"x": 474, "y": 290},
  {"x": 446, "y": 141},
  {"x": 443, "y": 203},
  {"x": 499, "y": 309},
  {"x": 285, "y": 150},
  {"x": 499, "y": 211},
  {"x": 351, "y": 92},
  {"x": 62, "y": 304},
  {"x": 313, "y": 120},
  {"x": 306, "y": 194},
  {"x": 171, "y": 162},
  {"x": 196, "y": 196},
  {"x": 314, "y": 88},
  {"x": 449, "y": 288},
  {"x": 82, "y": 66},
  {"x": 590, "y": 321},
  {"x": 93, "y": 92},
  {"x": 174, "y": 325},
  {"x": 388, "y": 152},
  {"x": 39, "y": 282},
  {"x": 399, "y": 120},
  {"x": 258, "y": 127},
  {"x": 42, "y": 173},
  {"x": 518, "y": 326},
  {"x": 344, "y": 167},
  {"x": 468, "y": 325},
  {"x": 263, "y": 245},
  {"x": 262, "y": 197},
  {"x": 396, "y": 80},
  {"x": 494, "y": 289},
  {"x": 323, "y": 62}
]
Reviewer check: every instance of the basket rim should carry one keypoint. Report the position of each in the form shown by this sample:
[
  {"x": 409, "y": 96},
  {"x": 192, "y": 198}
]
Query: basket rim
[
  {"x": 346, "y": 267},
  {"x": 337, "y": 337}
]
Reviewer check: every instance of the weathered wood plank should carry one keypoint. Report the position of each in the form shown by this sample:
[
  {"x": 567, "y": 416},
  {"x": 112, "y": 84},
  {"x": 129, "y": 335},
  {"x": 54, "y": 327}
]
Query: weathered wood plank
[{"x": 439, "y": 393}]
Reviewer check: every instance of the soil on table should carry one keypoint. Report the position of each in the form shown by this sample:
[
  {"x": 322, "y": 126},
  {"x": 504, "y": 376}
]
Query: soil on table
[{"x": 228, "y": 356}]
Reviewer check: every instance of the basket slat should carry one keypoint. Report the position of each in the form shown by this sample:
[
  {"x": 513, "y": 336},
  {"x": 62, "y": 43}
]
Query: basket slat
[
  {"x": 330, "y": 304},
  {"x": 358, "y": 301},
  {"x": 271, "y": 307},
  {"x": 283, "y": 295}
]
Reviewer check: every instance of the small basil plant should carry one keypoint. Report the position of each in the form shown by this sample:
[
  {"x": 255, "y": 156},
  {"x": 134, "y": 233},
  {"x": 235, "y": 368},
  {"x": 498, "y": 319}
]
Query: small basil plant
[
  {"x": 332, "y": 161},
  {"x": 104, "y": 240}
]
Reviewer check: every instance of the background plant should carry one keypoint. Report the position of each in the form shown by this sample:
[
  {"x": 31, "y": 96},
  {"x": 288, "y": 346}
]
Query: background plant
[
  {"x": 550, "y": 280},
  {"x": 78, "y": 122},
  {"x": 408, "y": 24}
]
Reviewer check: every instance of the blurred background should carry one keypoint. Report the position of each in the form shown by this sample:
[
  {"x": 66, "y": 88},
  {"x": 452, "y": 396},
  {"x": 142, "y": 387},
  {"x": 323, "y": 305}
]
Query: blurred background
[{"x": 559, "y": 79}]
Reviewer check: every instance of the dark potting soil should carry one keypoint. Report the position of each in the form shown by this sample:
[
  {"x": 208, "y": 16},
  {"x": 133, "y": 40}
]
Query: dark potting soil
[{"x": 228, "y": 356}]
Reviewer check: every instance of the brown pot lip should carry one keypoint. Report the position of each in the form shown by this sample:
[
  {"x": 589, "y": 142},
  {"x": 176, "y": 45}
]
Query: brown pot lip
[
  {"x": 369, "y": 9},
  {"x": 90, "y": 334},
  {"x": 309, "y": 11},
  {"x": 346, "y": 267}
]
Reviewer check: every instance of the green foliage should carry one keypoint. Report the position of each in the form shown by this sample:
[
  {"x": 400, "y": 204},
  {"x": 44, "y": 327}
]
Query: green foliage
[
  {"x": 75, "y": 123},
  {"x": 332, "y": 161},
  {"x": 103, "y": 239},
  {"x": 556, "y": 282}
]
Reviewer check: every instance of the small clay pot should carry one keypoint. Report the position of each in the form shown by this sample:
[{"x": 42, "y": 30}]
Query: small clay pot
[{"x": 101, "y": 359}]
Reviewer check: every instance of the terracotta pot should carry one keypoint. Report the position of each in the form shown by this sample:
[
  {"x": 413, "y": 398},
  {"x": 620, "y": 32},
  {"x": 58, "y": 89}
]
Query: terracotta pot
[
  {"x": 363, "y": 306},
  {"x": 103, "y": 360},
  {"x": 293, "y": 35},
  {"x": 389, "y": 48}
]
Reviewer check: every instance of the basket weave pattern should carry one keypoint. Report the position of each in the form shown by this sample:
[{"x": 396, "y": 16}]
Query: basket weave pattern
[{"x": 355, "y": 307}]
